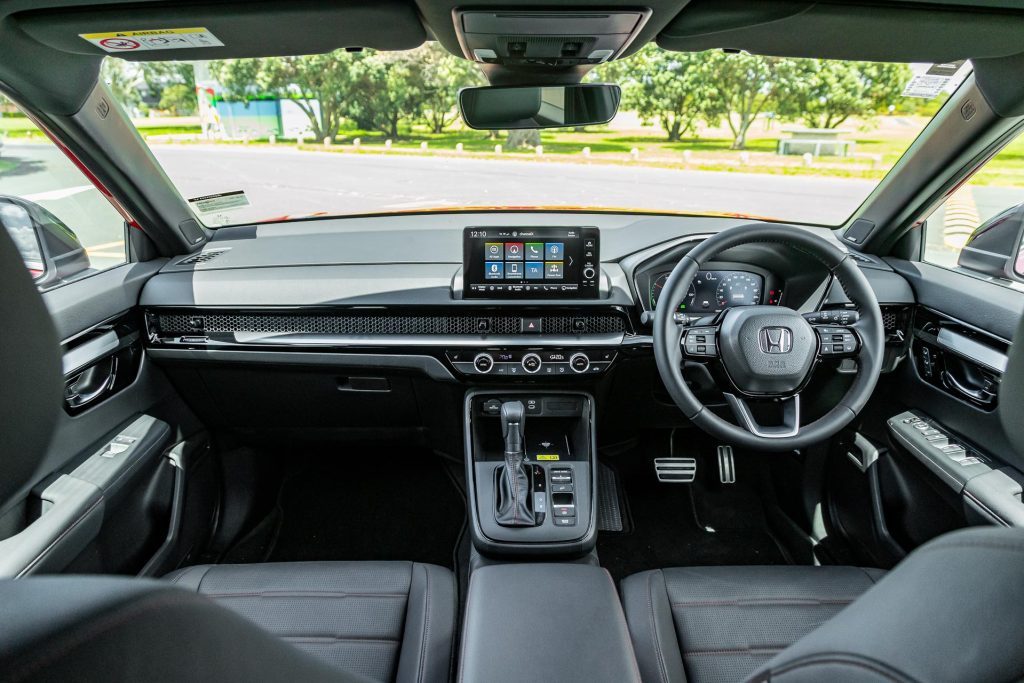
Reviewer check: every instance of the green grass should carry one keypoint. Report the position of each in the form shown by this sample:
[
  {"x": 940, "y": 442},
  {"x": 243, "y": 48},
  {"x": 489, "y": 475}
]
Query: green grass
[{"x": 6, "y": 165}]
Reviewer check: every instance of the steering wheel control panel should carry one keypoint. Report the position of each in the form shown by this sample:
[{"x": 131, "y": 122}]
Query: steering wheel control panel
[{"x": 547, "y": 363}]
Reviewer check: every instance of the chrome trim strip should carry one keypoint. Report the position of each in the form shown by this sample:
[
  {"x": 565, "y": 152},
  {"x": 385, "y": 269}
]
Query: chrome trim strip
[
  {"x": 310, "y": 340},
  {"x": 971, "y": 349},
  {"x": 91, "y": 351},
  {"x": 783, "y": 431}
]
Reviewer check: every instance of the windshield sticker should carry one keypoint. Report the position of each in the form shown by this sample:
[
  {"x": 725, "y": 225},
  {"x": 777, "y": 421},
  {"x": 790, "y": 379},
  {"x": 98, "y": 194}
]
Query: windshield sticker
[
  {"x": 933, "y": 81},
  {"x": 219, "y": 202},
  {"x": 158, "y": 39}
]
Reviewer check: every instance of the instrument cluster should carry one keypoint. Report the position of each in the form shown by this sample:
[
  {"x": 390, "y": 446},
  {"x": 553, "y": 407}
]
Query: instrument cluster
[{"x": 712, "y": 291}]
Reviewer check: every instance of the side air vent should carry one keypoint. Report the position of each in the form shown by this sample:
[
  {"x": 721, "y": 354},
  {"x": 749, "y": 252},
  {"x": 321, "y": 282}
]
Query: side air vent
[{"x": 201, "y": 257}]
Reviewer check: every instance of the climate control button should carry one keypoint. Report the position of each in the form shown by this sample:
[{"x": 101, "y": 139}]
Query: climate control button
[
  {"x": 483, "y": 362},
  {"x": 579, "y": 363},
  {"x": 532, "y": 363}
]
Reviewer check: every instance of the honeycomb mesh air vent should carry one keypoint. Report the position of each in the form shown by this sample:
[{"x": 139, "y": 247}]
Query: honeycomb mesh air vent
[
  {"x": 201, "y": 257},
  {"x": 373, "y": 324}
]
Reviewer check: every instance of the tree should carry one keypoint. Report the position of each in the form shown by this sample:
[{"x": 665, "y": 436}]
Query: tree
[
  {"x": 740, "y": 87},
  {"x": 825, "y": 93},
  {"x": 388, "y": 89},
  {"x": 669, "y": 87},
  {"x": 326, "y": 79},
  {"x": 443, "y": 75},
  {"x": 172, "y": 86},
  {"x": 123, "y": 80}
]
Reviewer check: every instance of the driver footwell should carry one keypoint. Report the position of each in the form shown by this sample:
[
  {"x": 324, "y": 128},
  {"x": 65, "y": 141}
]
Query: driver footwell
[{"x": 677, "y": 525}]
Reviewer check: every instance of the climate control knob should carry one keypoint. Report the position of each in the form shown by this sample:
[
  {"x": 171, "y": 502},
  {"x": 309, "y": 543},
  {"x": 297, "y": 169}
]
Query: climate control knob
[
  {"x": 579, "y": 363},
  {"x": 483, "y": 362},
  {"x": 531, "y": 363}
]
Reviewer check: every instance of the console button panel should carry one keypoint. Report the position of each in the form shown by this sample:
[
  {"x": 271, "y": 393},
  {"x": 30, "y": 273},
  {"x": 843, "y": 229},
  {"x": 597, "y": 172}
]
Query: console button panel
[{"x": 546, "y": 363}]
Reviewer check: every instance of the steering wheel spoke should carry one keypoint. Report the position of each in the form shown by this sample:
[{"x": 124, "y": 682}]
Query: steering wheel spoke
[
  {"x": 700, "y": 342},
  {"x": 789, "y": 427}
]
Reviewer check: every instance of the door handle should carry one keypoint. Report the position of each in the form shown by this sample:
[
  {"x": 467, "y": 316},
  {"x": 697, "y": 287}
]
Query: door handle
[
  {"x": 91, "y": 384},
  {"x": 977, "y": 394}
]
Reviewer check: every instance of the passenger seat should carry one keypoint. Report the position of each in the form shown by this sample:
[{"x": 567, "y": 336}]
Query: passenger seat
[{"x": 388, "y": 621}]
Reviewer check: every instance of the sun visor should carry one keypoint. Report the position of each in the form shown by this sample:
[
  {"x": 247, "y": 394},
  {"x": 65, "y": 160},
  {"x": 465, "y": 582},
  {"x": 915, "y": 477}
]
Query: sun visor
[
  {"x": 150, "y": 32},
  {"x": 889, "y": 33}
]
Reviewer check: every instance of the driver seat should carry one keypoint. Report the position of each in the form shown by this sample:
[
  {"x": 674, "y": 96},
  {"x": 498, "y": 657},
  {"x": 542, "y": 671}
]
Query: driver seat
[{"x": 951, "y": 611}]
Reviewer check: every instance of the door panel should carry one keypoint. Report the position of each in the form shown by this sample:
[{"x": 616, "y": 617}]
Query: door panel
[{"x": 110, "y": 489}]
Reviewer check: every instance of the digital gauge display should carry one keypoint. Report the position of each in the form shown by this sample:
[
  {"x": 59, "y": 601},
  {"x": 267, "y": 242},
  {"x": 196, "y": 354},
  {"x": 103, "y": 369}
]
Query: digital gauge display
[{"x": 713, "y": 291}]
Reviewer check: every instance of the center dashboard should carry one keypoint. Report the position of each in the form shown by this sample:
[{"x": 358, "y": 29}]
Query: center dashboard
[{"x": 415, "y": 291}]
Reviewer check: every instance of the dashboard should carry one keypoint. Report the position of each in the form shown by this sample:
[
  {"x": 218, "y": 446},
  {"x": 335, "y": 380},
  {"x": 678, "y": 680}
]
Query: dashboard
[{"x": 713, "y": 291}]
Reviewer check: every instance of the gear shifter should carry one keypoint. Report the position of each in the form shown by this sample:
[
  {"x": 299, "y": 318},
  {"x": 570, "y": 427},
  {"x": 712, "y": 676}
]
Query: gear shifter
[{"x": 513, "y": 485}]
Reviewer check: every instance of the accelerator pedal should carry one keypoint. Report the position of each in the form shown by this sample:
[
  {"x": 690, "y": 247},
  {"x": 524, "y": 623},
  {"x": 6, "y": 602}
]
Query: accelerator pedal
[{"x": 726, "y": 465}]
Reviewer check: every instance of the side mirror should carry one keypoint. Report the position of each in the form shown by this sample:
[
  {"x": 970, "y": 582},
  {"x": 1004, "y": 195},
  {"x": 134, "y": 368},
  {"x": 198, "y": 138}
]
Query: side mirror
[
  {"x": 549, "y": 106},
  {"x": 51, "y": 250}
]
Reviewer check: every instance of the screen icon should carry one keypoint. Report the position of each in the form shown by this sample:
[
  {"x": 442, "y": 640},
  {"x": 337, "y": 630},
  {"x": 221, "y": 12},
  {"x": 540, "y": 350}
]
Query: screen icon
[
  {"x": 534, "y": 269},
  {"x": 514, "y": 270},
  {"x": 495, "y": 271},
  {"x": 554, "y": 251},
  {"x": 553, "y": 270},
  {"x": 494, "y": 251},
  {"x": 534, "y": 251},
  {"x": 513, "y": 251}
]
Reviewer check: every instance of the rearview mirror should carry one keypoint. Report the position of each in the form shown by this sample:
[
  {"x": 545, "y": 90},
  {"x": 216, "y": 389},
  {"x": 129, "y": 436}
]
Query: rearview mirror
[{"x": 547, "y": 106}]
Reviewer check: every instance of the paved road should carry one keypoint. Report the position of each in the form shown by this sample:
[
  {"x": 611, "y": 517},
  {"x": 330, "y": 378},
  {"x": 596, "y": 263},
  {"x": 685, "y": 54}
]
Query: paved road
[{"x": 285, "y": 181}]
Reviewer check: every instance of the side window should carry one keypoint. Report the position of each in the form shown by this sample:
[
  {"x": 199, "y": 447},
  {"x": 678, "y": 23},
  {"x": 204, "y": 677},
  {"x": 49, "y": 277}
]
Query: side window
[
  {"x": 993, "y": 199},
  {"x": 63, "y": 226}
]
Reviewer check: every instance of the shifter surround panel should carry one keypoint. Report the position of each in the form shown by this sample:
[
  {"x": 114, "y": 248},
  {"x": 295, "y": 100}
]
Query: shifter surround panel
[{"x": 559, "y": 445}]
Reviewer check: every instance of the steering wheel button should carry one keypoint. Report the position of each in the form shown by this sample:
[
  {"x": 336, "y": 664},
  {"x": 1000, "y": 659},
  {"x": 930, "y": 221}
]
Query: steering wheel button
[{"x": 837, "y": 348}]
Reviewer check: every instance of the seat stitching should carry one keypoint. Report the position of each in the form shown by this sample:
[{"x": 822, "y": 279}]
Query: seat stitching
[
  {"x": 765, "y": 601},
  {"x": 426, "y": 622},
  {"x": 662, "y": 669},
  {"x": 328, "y": 639},
  {"x": 737, "y": 650},
  {"x": 303, "y": 594},
  {"x": 199, "y": 585}
]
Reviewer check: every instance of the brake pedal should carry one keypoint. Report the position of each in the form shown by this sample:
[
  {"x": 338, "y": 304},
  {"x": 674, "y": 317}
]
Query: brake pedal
[
  {"x": 726, "y": 465},
  {"x": 676, "y": 470}
]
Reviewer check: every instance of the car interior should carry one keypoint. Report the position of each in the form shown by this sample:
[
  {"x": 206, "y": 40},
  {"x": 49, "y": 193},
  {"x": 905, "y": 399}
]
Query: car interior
[{"x": 467, "y": 443}]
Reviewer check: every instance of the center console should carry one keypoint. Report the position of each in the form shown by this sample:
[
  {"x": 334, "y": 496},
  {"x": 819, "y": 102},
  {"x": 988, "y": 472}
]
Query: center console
[{"x": 530, "y": 471}]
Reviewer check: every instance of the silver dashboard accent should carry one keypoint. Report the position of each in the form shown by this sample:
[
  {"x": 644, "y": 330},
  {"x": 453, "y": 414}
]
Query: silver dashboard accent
[{"x": 319, "y": 340}]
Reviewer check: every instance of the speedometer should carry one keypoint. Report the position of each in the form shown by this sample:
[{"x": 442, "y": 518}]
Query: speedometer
[
  {"x": 659, "y": 284},
  {"x": 738, "y": 289}
]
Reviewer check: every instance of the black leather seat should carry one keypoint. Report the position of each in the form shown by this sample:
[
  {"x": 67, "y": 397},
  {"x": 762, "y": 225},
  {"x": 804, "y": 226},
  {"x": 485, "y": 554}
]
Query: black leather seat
[
  {"x": 723, "y": 623},
  {"x": 951, "y": 611},
  {"x": 388, "y": 621}
]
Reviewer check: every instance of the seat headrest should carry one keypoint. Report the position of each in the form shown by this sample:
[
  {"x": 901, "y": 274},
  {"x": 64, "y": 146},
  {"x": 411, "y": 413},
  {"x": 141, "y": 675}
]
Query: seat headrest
[{"x": 31, "y": 381}]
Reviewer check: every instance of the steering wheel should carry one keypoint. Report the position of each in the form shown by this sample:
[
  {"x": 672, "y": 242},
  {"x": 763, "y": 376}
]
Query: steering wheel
[{"x": 768, "y": 352}]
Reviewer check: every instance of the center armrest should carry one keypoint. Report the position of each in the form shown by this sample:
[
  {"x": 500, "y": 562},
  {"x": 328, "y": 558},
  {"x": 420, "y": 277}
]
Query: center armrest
[{"x": 545, "y": 622}]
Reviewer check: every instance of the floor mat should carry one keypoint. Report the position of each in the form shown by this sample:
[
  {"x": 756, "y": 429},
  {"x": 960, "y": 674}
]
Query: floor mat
[
  {"x": 677, "y": 525},
  {"x": 609, "y": 500},
  {"x": 367, "y": 502}
]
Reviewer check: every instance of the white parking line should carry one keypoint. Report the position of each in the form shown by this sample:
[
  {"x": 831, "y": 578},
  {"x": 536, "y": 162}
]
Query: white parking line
[{"x": 58, "y": 194}]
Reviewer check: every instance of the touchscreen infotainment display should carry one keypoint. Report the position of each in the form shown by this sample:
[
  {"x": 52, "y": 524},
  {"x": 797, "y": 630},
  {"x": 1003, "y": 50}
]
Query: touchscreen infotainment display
[{"x": 503, "y": 263}]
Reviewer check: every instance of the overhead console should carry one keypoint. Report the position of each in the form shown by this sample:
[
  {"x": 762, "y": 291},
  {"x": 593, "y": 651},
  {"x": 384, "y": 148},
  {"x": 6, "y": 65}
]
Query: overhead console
[
  {"x": 530, "y": 263},
  {"x": 527, "y": 38}
]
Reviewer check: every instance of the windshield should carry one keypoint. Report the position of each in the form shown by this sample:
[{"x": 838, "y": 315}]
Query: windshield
[{"x": 257, "y": 140}]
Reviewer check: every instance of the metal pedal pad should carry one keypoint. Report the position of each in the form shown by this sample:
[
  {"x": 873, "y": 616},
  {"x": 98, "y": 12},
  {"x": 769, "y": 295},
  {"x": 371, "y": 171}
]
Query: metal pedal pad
[
  {"x": 676, "y": 470},
  {"x": 726, "y": 465}
]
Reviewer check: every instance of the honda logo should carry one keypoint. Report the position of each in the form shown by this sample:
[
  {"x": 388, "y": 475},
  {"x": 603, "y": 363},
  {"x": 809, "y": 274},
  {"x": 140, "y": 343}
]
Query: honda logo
[{"x": 776, "y": 339}]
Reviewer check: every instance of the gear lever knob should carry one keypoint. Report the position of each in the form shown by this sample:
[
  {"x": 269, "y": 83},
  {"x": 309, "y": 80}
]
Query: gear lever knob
[{"x": 513, "y": 426}]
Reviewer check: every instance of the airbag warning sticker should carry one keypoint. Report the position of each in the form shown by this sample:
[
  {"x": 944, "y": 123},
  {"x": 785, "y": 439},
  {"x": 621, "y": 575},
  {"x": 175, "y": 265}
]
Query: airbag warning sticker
[{"x": 157, "y": 39}]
